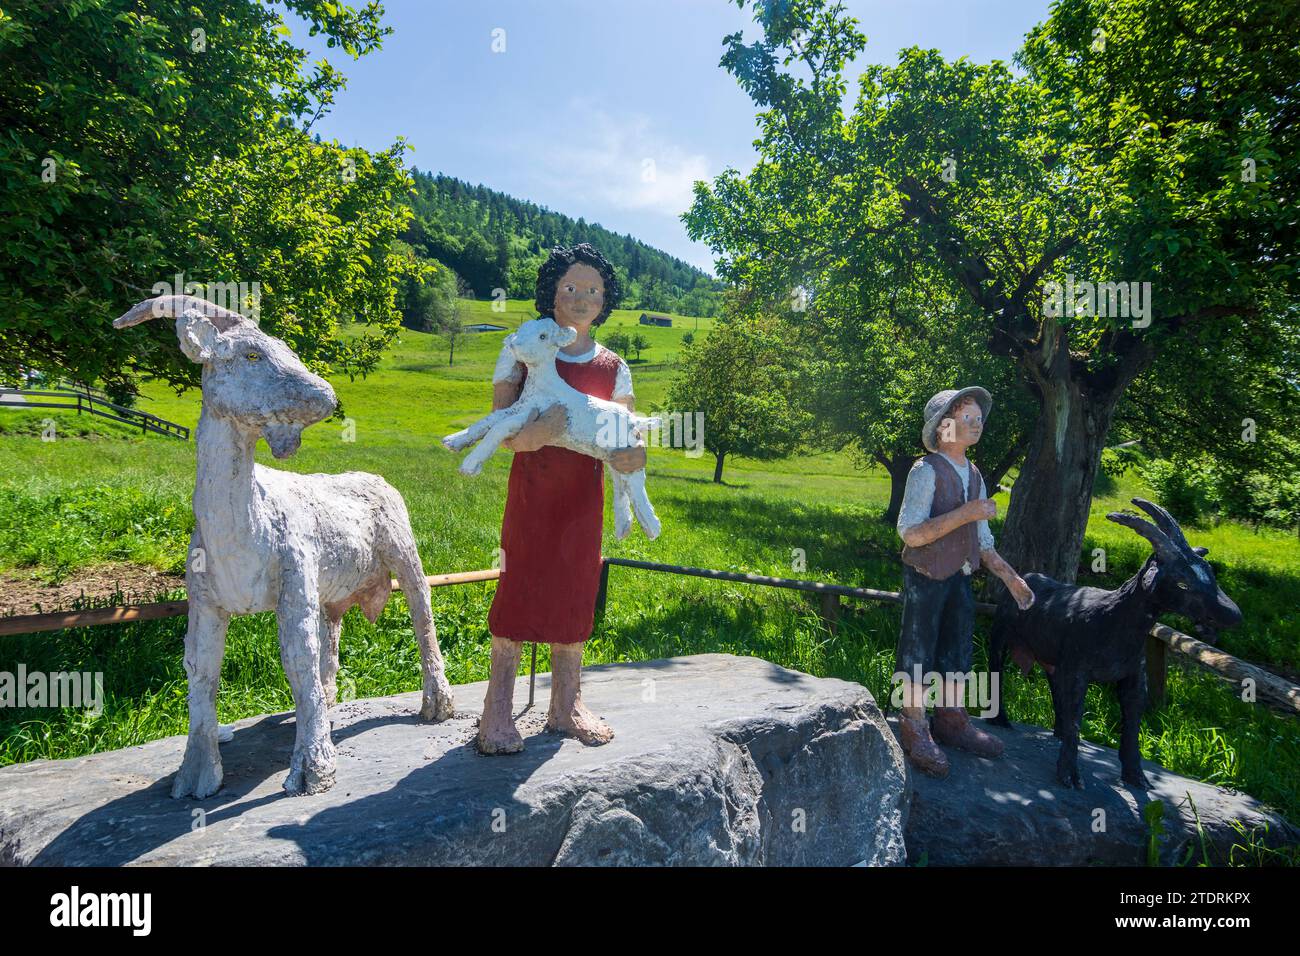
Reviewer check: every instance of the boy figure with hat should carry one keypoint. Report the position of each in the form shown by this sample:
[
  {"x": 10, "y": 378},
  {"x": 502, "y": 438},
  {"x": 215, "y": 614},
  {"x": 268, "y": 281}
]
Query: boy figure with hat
[{"x": 943, "y": 522}]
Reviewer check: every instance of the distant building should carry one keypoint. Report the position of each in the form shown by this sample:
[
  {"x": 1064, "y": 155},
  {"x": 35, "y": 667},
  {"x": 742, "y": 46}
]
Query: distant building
[
  {"x": 485, "y": 327},
  {"x": 664, "y": 320}
]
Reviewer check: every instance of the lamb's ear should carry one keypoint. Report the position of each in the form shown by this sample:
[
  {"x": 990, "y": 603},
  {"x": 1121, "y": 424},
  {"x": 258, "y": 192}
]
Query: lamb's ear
[{"x": 198, "y": 337}]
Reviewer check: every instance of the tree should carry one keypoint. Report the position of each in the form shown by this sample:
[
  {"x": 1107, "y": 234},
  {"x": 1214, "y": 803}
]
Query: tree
[
  {"x": 639, "y": 344},
  {"x": 147, "y": 139},
  {"x": 743, "y": 377},
  {"x": 879, "y": 347},
  {"x": 1164, "y": 153},
  {"x": 616, "y": 340}
]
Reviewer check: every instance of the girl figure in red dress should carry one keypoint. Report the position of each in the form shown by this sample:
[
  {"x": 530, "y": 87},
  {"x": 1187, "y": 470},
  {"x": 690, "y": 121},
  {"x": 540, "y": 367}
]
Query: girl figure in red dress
[{"x": 555, "y": 509}]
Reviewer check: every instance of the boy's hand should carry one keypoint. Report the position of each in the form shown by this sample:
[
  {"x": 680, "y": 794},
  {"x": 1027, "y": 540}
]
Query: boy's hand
[
  {"x": 1020, "y": 590},
  {"x": 981, "y": 509}
]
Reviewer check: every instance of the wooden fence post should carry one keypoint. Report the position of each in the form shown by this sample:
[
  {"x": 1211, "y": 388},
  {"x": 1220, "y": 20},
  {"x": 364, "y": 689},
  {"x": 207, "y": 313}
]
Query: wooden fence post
[
  {"x": 831, "y": 611},
  {"x": 602, "y": 592}
]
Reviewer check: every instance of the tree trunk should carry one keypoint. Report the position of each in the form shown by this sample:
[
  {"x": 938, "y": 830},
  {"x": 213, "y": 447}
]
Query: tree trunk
[
  {"x": 1051, "y": 497},
  {"x": 899, "y": 467},
  {"x": 717, "y": 468}
]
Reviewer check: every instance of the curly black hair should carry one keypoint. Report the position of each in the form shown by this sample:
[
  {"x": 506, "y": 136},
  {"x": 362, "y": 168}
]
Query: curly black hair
[{"x": 557, "y": 264}]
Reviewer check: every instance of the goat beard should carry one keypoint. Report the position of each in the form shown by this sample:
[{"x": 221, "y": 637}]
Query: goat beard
[{"x": 283, "y": 439}]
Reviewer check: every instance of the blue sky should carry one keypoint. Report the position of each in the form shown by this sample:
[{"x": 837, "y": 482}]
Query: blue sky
[{"x": 607, "y": 110}]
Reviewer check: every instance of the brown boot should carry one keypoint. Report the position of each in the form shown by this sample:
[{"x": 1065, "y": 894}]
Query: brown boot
[
  {"x": 922, "y": 752},
  {"x": 953, "y": 728}
]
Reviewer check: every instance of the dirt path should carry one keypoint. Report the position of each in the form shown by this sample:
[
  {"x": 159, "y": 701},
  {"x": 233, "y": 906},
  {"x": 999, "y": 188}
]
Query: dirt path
[{"x": 23, "y": 593}]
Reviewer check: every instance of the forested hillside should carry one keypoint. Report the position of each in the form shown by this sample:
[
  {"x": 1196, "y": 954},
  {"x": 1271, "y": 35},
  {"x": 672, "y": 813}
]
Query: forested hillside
[{"x": 494, "y": 241}]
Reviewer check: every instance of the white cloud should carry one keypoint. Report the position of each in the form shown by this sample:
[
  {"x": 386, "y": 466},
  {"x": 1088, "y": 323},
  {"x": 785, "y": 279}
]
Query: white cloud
[{"x": 620, "y": 162}]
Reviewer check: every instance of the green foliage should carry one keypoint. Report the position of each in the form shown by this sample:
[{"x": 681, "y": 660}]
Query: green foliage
[
  {"x": 144, "y": 139},
  {"x": 744, "y": 377},
  {"x": 494, "y": 241},
  {"x": 617, "y": 340}
]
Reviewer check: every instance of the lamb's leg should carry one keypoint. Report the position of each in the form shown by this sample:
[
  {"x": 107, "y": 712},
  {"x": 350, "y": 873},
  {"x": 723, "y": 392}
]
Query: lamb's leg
[
  {"x": 645, "y": 512},
  {"x": 312, "y": 768},
  {"x": 1073, "y": 689},
  {"x": 622, "y": 503},
  {"x": 330, "y": 630},
  {"x": 436, "y": 702},
  {"x": 1132, "y": 699},
  {"x": 467, "y": 436},
  {"x": 205, "y": 645},
  {"x": 504, "y": 428}
]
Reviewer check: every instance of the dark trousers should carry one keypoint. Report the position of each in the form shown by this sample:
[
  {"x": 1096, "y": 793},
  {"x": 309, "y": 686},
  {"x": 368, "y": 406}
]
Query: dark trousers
[{"x": 938, "y": 624}]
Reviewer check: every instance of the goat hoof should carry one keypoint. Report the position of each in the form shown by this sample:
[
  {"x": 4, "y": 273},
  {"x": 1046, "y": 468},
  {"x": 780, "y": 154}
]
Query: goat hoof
[
  {"x": 437, "y": 704},
  {"x": 304, "y": 781},
  {"x": 199, "y": 782},
  {"x": 1138, "y": 779},
  {"x": 1070, "y": 779}
]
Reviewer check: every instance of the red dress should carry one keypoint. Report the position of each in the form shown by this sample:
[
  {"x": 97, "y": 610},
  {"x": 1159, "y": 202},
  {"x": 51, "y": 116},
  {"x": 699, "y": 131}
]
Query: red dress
[{"x": 550, "y": 535}]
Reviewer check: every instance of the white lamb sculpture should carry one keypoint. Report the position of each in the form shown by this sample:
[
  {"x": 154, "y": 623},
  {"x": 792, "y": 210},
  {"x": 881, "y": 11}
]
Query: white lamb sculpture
[
  {"x": 305, "y": 546},
  {"x": 594, "y": 426}
]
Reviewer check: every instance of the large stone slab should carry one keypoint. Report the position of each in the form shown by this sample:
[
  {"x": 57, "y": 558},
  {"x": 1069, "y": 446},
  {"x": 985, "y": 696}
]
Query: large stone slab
[
  {"x": 1012, "y": 812},
  {"x": 718, "y": 760}
]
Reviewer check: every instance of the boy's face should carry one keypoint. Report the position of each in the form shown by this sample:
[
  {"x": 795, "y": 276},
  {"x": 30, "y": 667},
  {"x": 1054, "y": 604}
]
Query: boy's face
[
  {"x": 963, "y": 425},
  {"x": 579, "y": 296}
]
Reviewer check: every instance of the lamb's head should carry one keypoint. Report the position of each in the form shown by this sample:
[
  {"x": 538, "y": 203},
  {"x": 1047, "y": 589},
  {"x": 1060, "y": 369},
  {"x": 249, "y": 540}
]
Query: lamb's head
[
  {"x": 536, "y": 342},
  {"x": 1177, "y": 575},
  {"x": 249, "y": 378}
]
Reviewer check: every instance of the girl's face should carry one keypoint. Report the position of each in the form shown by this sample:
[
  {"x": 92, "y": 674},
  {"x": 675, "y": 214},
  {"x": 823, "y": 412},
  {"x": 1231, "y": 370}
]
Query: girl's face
[{"x": 579, "y": 297}]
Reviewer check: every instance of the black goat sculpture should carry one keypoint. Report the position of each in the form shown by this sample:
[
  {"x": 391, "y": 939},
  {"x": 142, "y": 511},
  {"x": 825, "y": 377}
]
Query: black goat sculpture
[{"x": 1082, "y": 635}]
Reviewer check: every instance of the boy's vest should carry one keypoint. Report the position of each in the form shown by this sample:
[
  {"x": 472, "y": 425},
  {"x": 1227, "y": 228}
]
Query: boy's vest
[{"x": 945, "y": 556}]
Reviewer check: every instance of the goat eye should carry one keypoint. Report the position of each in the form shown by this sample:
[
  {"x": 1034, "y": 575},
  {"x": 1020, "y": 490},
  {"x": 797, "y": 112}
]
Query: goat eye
[{"x": 252, "y": 356}]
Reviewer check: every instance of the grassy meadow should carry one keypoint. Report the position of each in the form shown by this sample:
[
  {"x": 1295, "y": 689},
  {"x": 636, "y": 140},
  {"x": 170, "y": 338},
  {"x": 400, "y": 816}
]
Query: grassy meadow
[{"x": 103, "y": 493}]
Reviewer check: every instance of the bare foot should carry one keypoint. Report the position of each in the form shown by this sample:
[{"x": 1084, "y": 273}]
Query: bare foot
[
  {"x": 497, "y": 733},
  {"x": 582, "y": 724},
  {"x": 494, "y": 738}
]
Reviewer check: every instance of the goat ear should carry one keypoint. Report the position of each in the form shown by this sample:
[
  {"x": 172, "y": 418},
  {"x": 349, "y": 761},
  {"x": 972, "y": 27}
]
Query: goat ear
[
  {"x": 198, "y": 337},
  {"x": 1201, "y": 551}
]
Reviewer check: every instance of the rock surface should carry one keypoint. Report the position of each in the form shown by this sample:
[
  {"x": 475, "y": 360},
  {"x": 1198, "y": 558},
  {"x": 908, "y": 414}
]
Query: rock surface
[
  {"x": 1012, "y": 812},
  {"x": 717, "y": 760}
]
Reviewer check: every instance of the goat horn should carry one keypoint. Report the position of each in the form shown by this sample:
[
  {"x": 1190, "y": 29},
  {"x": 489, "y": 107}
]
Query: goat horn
[
  {"x": 1164, "y": 521},
  {"x": 1159, "y": 540},
  {"x": 172, "y": 306}
]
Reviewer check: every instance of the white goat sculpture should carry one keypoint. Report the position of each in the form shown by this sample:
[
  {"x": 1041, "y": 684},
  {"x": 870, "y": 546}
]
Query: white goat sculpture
[
  {"x": 305, "y": 546},
  {"x": 594, "y": 427}
]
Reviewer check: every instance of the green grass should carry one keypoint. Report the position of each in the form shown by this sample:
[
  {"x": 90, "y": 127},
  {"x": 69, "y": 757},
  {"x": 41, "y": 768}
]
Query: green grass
[{"x": 112, "y": 495}]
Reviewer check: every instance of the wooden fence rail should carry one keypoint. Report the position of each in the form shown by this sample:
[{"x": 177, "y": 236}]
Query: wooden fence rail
[
  {"x": 1268, "y": 685},
  {"x": 92, "y": 404}
]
